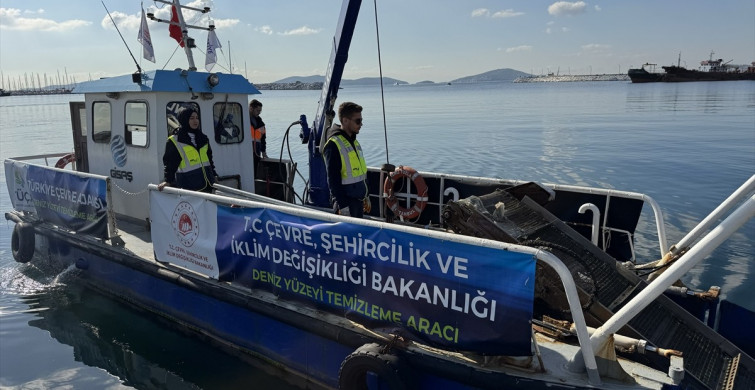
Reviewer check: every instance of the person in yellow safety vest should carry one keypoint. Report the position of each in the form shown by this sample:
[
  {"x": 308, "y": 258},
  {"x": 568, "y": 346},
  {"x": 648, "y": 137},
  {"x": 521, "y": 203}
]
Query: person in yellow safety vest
[
  {"x": 345, "y": 165},
  {"x": 259, "y": 133},
  {"x": 188, "y": 156}
]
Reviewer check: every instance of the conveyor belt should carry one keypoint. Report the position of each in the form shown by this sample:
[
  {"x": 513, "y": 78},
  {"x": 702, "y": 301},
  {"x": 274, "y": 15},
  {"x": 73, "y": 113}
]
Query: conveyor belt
[{"x": 713, "y": 361}]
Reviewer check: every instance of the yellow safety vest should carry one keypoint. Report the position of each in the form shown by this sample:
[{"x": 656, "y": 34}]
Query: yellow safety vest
[
  {"x": 353, "y": 166},
  {"x": 191, "y": 158}
]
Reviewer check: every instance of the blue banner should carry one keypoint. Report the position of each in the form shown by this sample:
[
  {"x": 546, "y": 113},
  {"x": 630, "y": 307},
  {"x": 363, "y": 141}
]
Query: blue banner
[
  {"x": 65, "y": 199},
  {"x": 448, "y": 294}
]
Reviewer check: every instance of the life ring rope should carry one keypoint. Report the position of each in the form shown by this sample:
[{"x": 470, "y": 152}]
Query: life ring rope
[{"x": 420, "y": 199}]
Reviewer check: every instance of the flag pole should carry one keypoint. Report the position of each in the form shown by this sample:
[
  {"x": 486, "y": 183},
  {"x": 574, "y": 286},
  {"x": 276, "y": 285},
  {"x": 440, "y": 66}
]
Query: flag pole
[
  {"x": 185, "y": 34},
  {"x": 186, "y": 41}
]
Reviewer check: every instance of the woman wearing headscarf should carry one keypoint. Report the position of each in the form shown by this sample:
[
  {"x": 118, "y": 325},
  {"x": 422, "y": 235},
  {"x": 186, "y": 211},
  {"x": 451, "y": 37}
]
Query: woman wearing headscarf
[{"x": 188, "y": 156}]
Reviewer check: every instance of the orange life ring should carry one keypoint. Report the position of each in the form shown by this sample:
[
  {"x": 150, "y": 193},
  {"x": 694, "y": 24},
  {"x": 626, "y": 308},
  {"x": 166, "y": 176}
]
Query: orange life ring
[
  {"x": 68, "y": 158},
  {"x": 392, "y": 202}
]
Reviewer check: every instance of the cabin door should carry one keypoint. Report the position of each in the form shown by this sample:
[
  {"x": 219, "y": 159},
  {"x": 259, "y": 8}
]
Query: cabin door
[{"x": 79, "y": 126}]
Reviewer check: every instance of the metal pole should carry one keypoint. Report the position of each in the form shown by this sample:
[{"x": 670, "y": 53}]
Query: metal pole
[
  {"x": 715, "y": 215},
  {"x": 185, "y": 34},
  {"x": 699, "y": 252}
]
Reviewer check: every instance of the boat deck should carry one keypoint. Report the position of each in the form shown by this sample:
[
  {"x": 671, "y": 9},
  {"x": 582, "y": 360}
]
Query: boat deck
[{"x": 137, "y": 238}]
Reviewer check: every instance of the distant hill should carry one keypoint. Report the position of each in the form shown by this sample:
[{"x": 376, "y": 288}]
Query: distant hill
[
  {"x": 372, "y": 81},
  {"x": 506, "y": 74},
  {"x": 493, "y": 75},
  {"x": 320, "y": 79}
]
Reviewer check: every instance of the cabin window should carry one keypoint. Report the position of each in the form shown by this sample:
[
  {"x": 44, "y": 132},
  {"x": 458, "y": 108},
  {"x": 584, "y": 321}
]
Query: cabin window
[
  {"x": 101, "y": 122},
  {"x": 227, "y": 120},
  {"x": 171, "y": 112},
  {"x": 136, "y": 124}
]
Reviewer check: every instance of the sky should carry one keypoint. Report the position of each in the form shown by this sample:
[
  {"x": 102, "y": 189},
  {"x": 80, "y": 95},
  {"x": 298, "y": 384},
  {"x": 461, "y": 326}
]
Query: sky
[{"x": 438, "y": 40}]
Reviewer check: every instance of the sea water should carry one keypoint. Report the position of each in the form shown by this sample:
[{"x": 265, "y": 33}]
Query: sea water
[{"x": 687, "y": 145}]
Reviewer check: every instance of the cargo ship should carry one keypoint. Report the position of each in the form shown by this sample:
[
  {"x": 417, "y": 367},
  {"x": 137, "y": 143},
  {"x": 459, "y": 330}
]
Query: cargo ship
[{"x": 709, "y": 70}]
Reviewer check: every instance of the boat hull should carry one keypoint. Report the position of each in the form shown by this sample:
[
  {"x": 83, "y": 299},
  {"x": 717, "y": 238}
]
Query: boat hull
[
  {"x": 305, "y": 342},
  {"x": 676, "y": 74},
  {"x": 643, "y": 76}
]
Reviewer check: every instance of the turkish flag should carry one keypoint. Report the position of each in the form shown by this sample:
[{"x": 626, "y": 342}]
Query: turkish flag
[{"x": 175, "y": 29}]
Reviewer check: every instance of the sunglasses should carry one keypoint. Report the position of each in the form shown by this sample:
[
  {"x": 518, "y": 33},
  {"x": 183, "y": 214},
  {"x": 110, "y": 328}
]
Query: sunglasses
[{"x": 357, "y": 121}]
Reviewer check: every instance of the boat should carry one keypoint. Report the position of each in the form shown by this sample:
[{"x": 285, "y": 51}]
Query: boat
[
  {"x": 646, "y": 74},
  {"x": 709, "y": 70},
  {"x": 450, "y": 281}
]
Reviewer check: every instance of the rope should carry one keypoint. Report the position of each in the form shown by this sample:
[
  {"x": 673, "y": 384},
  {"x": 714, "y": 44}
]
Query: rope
[{"x": 382, "y": 94}]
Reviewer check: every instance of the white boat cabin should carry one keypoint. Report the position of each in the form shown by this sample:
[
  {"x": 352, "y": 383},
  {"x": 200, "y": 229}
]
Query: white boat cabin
[{"x": 121, "y": 128}]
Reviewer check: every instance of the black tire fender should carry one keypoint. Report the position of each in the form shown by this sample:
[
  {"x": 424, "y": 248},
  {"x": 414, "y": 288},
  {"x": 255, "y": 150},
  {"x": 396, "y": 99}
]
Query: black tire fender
[
  {"x": 22, "y": 242},
  {"x": 369, "y": 359}
]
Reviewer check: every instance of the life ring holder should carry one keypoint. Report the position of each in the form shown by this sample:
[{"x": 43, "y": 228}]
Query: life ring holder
[
  {"x": 391, "y": 201},
  {"x": 65, "y": 160},
  {"x": 370, "y": 358},
  {"x": 22, "y": 242}
]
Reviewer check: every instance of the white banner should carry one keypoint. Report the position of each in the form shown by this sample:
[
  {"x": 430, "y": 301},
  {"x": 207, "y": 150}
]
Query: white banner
[
  {"x": 184, "y": 231},
  {"x": 18, "y": 190}
]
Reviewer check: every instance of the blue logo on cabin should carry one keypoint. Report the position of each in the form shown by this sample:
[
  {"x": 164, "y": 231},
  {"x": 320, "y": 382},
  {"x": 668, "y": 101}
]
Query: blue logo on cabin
[{"x": 118, "y": 148}]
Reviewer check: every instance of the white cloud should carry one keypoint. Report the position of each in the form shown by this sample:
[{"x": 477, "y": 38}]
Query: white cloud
[
  {"x": 10, "y": 19},
  {"x": 39, "y": 11},
  {"x": 480, "y": 12},
  {"x": 508, "y": 13},
  {"x": 225, "y": 23},
  {"x": 132, "y": 22},
  {"x": 595, "y": 47},
  {"x": 124, "y": 21},
  {"x": 565, "y": 29},
  {"x": 518, "y": 48},
  {"x": 264, "y": 29},
  {"x": 561, "y": 8},
  {"x": 303, "y": 30},
  {"x": 548, "y": 30},
  {"x": 597, "y": 8}
]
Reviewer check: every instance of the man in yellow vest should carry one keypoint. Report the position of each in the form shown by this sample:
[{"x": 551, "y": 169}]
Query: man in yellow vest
[
  {"x": 344, "y": 162},
  {"x": 188, "y": 156}
]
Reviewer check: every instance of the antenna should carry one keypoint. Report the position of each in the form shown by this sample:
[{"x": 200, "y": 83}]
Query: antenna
[{"x": 139, "y": 68}]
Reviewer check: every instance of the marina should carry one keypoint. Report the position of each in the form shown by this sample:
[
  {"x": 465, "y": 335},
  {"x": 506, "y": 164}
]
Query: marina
[
  {"x": 572, "y": 78},
  {"x": 165, "y": 272}
]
